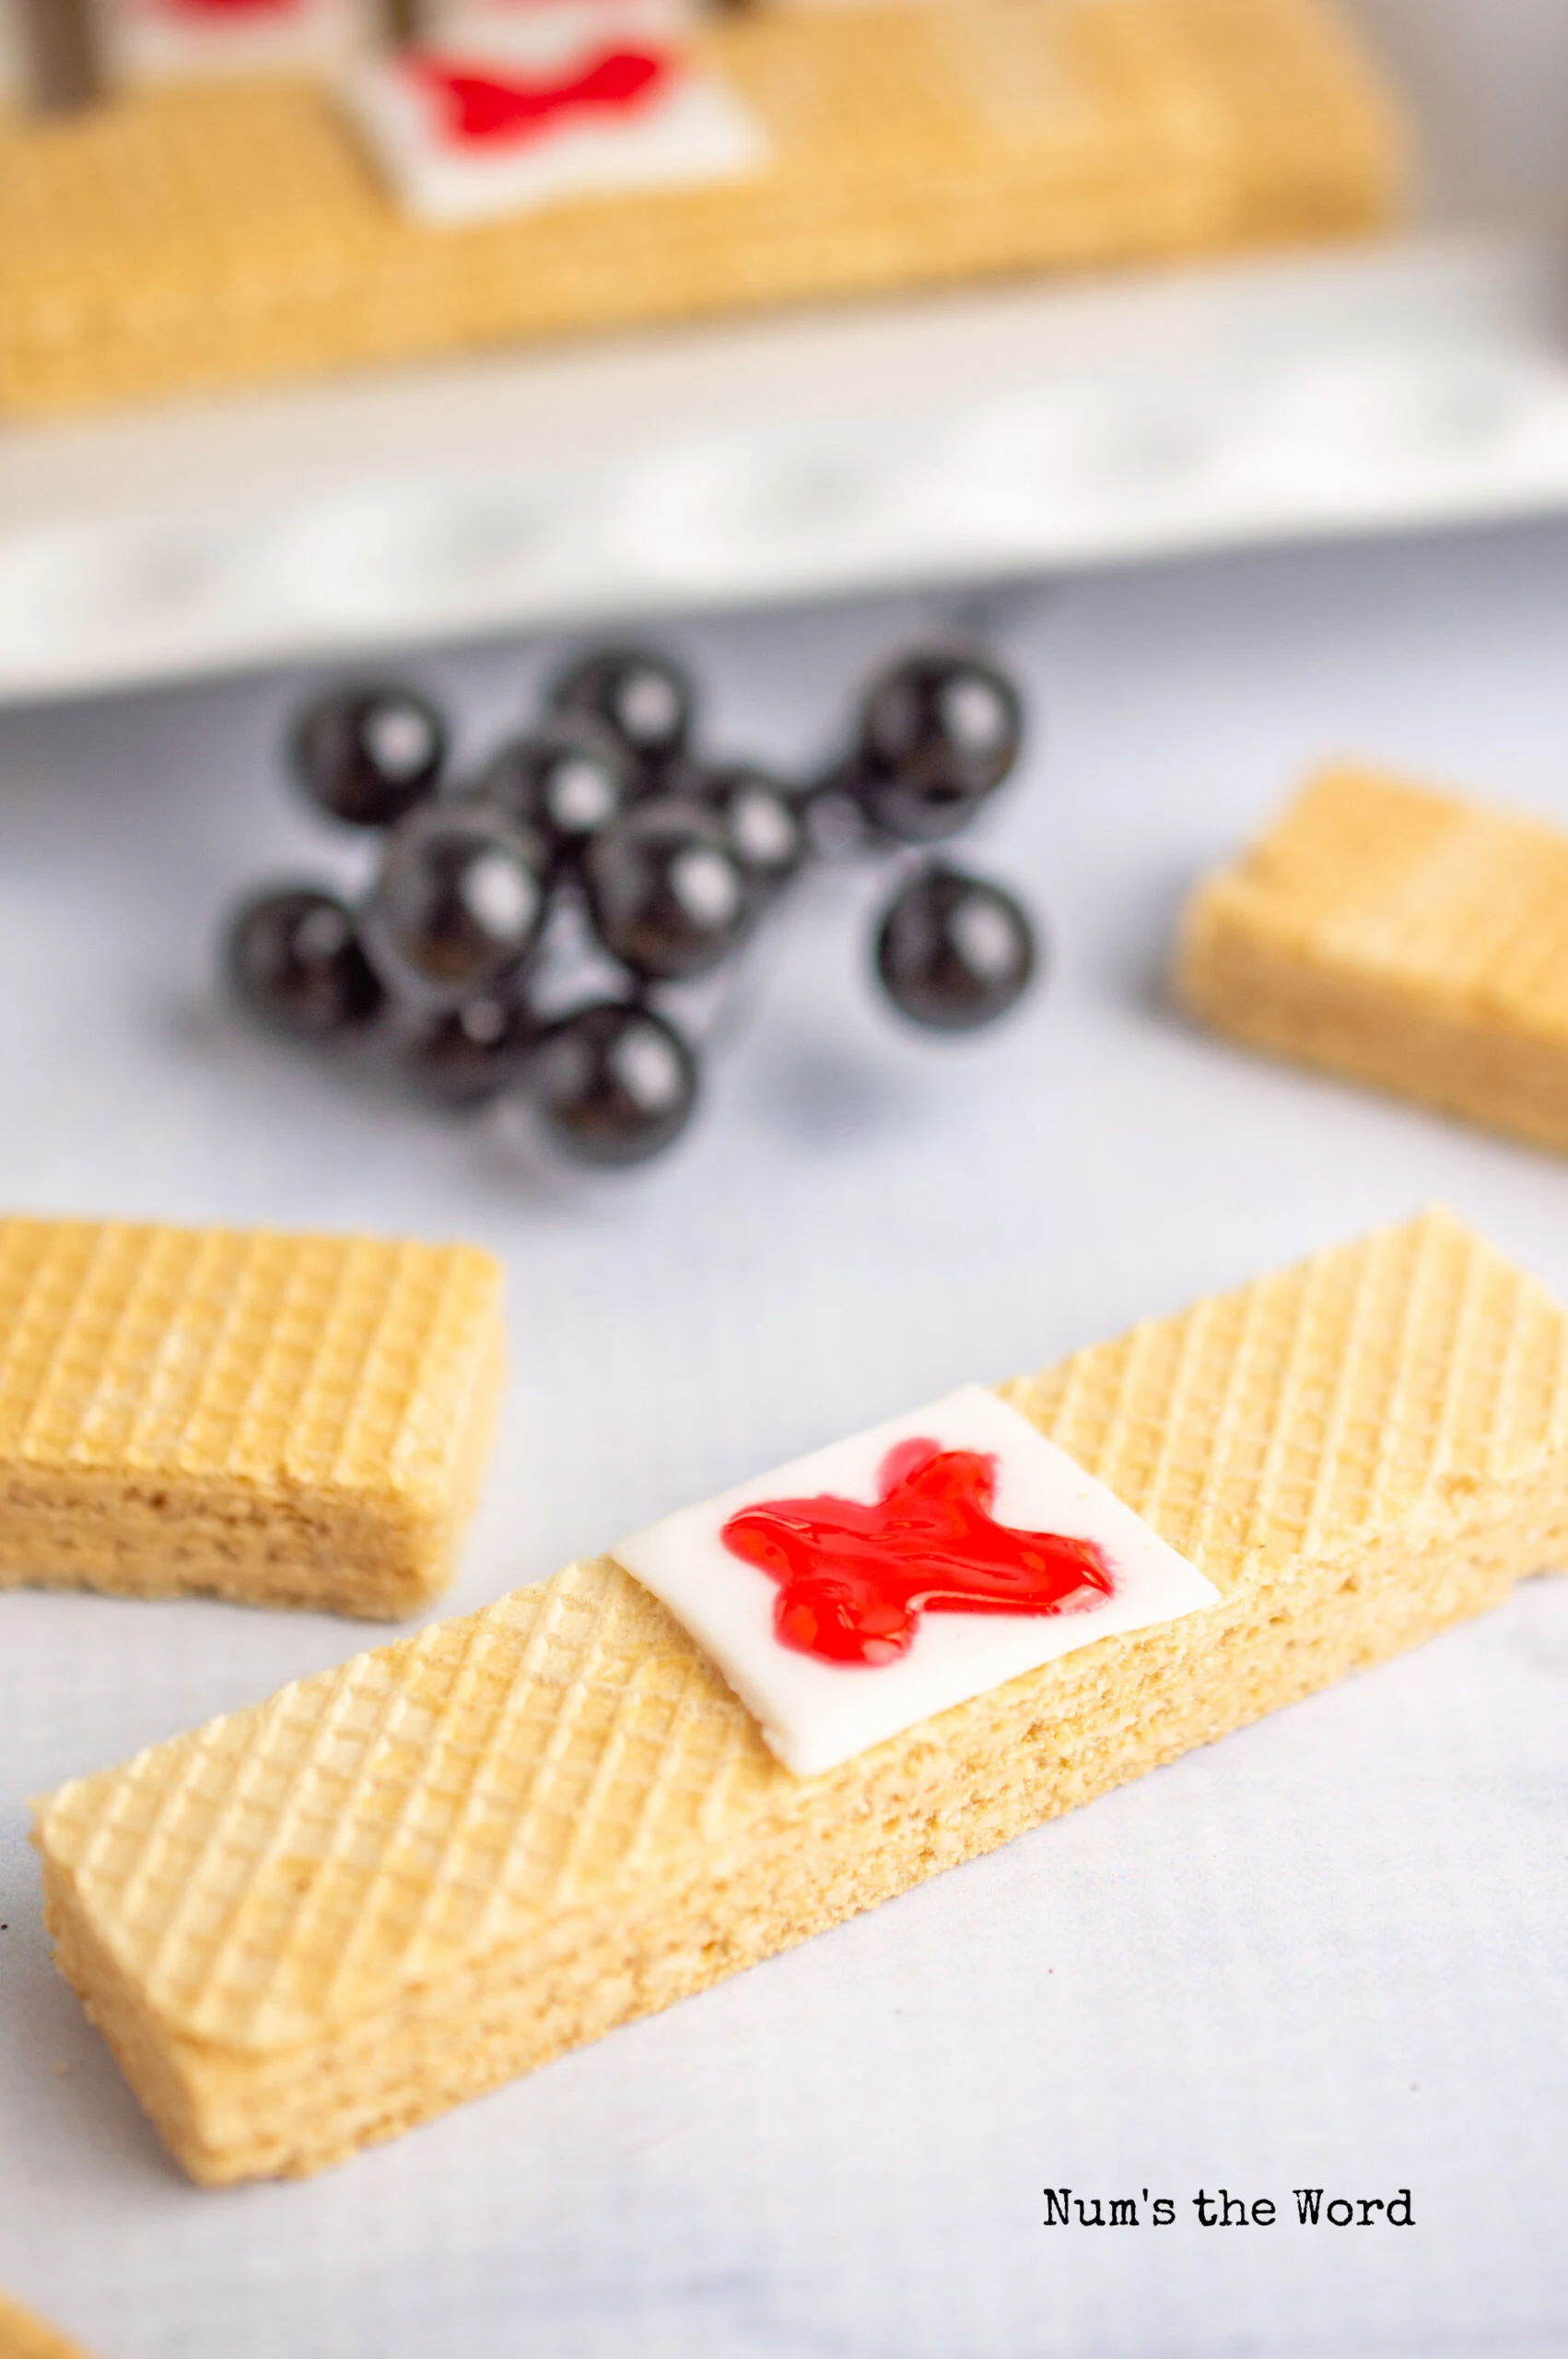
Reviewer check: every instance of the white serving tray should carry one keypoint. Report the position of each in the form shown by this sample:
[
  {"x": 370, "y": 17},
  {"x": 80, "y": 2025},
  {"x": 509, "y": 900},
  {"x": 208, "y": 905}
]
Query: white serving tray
[{"x": 952, "y": 438}]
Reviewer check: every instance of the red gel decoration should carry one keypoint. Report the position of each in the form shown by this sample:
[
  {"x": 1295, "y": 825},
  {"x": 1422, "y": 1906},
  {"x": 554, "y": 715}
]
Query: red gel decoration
[
  {"x": 488, "y": 109},
  {"x": 855, "y": 1580}
]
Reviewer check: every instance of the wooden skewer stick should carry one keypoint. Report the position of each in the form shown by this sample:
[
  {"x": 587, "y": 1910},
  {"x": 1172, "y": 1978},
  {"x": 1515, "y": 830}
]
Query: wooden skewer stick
[
  {"x": 404, "y": 20},
  {"x": 61, "y": 45}
]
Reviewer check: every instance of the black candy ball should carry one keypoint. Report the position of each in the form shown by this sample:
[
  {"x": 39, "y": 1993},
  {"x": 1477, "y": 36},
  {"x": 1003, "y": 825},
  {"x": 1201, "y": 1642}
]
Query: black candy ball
[
  {"x": 368, "y": 754},
  {"x": 615, "y": 1085},
  {"x": 569, "y": 779},
  {"x": 953, "y": 953},
  {"x": 762, "y": 822},
  {"x": 643, "y": 698},
  {"x": 457, "y": 909},
  {"x": 666, "y": 893},
  {"x": 463, "y": 1056},
  {"x": 938, "y": 734},
  {"x": 293, "y": 960}
]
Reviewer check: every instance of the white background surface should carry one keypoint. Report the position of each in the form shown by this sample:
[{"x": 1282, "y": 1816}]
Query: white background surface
[{"x": 1327, "y": 1952}]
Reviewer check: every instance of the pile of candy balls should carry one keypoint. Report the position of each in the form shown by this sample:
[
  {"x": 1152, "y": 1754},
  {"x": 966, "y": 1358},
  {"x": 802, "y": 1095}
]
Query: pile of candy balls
[{"x": 530, "y": 926}]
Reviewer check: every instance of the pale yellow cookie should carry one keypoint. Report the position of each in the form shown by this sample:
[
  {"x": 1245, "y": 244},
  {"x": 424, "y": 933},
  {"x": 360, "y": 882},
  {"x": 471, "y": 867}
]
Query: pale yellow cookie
[
  {"x": 280, "y": 1420},
  {"x": 1402, "y": 937},
  {"x": 201, "y": 236},
  {"x": 311, "y": 1925},
  {"x": 24, "y": 2336}
]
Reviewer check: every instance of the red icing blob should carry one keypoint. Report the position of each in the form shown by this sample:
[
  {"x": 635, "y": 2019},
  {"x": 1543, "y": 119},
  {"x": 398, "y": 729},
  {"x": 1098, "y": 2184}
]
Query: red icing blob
[
  {"x": 486, "y": 109},
  {"x": 855, "y": 1580}
]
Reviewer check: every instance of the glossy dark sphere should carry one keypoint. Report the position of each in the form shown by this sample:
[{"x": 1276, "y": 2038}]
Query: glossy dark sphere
[
  {"x": 368, "y": 754},
  {"x": 463, "y": 1056},
  {"x": 938, "y": 734},
  {"x": 762, "y": 823},
  {"x": 615, "y": 1085},
  {"x": 953, "y": 953},
  {"x": 458, "y": 907},
  {"x": 569, "y": 779},
  {"x": 641, "y": 697},
  {"x": 293, "y": 959},
  {"x": 666, "y": 893}
]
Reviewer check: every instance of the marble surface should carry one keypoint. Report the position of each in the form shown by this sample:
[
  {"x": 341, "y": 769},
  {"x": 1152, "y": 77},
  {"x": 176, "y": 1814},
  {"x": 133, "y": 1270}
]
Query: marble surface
[{"x": 1327, "y": 1953}]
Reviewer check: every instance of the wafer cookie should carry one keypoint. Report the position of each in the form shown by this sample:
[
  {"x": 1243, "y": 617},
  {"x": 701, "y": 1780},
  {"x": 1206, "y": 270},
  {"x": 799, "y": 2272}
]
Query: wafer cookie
[
  {"x": 25, "y": 2337},
  {"x": 193, "y": 237},
  {"x": 278, "y": 1420},
  {"x": 1401, "y": 937},
  {"x": 314, "y": 1924}
]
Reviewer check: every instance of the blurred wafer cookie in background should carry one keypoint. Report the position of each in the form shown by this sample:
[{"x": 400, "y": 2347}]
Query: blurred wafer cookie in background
[
  {"x": 1401, "y": 936},
  {"x": 198, "y": 234}
]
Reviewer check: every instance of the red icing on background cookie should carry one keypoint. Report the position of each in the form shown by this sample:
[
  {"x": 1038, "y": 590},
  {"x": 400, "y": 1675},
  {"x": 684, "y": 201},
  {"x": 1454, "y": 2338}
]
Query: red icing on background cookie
[
  {"x": 855, "y": 1579},
  {"x": 488, "y": 107}
]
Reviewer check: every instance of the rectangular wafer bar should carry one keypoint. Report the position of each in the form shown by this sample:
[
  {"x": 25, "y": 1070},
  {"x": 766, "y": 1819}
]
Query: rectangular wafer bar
[
  {"x": 193, "y": 237},
  {"x": 1401, "y": 937},
  {"x": 312, "y": 1924},
  {"x": 279, "y": 1420}
]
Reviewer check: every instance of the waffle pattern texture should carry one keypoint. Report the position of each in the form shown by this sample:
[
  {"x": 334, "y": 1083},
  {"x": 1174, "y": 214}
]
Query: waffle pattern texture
[
  {"x": 312, "y": 1924},
  {"x": 25, "y": 2337},
  {"x": 280, "y": 1420},
  {"x": 194, "y": 237},
  {"x": 1402, "y": 937}
]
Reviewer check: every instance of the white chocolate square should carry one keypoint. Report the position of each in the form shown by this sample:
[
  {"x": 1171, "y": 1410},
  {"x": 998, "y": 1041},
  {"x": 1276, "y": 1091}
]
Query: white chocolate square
[
  {"x": 442, "y": 21},
  {"x": 814, "y": 1714},
  {"x": 159, "y": 40},
  {"x": 690, "y": 128}
]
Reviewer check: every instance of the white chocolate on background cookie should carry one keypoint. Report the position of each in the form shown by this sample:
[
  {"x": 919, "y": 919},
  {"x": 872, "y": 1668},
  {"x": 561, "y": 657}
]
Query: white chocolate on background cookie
[
  {"x": 168, "y": 41},
  {"x": 560, "y": 118}
]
